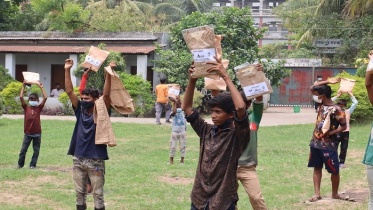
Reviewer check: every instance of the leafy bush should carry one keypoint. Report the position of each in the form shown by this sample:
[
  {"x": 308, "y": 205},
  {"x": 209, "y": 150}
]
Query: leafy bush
[
  {"x": 360, "y": 72},
  {"x": 11, "y": 96},
  {"x": 5, "y": 77},
  {"x": 140, "y": 92},
  {"x": 65, "y": 101},
  {"x": 10, "y": 92},
  {"x": 364, "y": 109}
]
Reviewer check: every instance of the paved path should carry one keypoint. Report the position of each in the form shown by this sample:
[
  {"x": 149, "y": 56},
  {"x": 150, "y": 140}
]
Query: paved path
[{"x": 272, "y": 117}]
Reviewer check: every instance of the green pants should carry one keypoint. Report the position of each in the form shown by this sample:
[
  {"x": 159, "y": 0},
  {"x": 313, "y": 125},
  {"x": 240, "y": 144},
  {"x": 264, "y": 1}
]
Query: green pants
[{"x": 95, "y": 170}]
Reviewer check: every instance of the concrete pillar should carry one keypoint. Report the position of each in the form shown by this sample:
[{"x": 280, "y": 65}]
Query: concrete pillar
[
  {"x": 74, "y": 80},
  {"x": 142, "y": 64},
  {"x": 10, "y": 64},
  {"x": 261, "y": 7}
]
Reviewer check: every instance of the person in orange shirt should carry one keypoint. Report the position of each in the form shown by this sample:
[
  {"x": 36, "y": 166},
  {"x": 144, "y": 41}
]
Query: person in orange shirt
[{"x": 161, "y": 91}]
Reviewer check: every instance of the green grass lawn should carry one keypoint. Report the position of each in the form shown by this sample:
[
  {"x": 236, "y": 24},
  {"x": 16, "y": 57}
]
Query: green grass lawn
[{"x": 138, "y": 176}]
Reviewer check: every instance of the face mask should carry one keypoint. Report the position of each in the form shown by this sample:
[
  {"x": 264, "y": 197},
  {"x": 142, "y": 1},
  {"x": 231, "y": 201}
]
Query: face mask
[
  {"x": 319, "y": 79},
  {"x": 87, "y": 104},
  {"x": 33, "y": 103},
  {"x": 316, "y": 98},
  {"x": 178, "y": 110}
]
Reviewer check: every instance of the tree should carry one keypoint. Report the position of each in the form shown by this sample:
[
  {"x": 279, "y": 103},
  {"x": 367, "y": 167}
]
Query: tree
[
  {"x": 7, "y": 11},
  {"x": 126, "y": 16},
  {"x": 175, "y": 9},
  {"x": 311, "y": 18},
  {"x": 5, "y": 77},
  {"x": 26, "y": 18},
  {"x": 61, "y": 15},
  {"x": 358, "y": 8},
  {"x": 239, "y": 44},
  {"x": 320, "y": 19}
]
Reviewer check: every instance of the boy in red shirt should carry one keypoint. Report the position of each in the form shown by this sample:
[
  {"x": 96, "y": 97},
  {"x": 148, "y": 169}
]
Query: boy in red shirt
[{"x": 32, "y": 126}]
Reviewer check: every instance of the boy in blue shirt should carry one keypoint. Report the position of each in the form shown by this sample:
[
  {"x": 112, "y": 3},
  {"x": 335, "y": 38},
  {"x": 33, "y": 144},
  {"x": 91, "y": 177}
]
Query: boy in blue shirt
[
  {"x": 88, "y": 158},
  {"x": 179, "y": 126}
]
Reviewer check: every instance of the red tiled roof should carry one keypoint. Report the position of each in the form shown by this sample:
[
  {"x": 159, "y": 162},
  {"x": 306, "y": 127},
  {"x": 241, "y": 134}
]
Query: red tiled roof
[{"x": 76, "y": 49}]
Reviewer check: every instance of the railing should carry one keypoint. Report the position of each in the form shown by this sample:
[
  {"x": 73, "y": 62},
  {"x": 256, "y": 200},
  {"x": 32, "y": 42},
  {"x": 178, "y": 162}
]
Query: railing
[
  {"x": 276, "y": 34},
  {"x": 262, "y": 12}
]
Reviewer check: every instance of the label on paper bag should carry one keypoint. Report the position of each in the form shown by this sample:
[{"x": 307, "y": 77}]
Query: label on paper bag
[
  {"x": 203, "y": 55},
  {"x": 173, "y": 91},
  {"x": 255, "y": 89},
  {"x": 92, "y": 60}
]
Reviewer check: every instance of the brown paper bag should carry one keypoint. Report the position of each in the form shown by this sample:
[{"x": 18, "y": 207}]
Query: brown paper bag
[
  {"x": 121, "y": 100},
  {"x": 212, "y": 84},
  {"x": 31, "y": 77},
  {"x": 201, "y": 43},
  {"x": 109, "y": 70},
  {"x": 95, "y": 58},
  {"x": 173, "y": 90},
  {"x": 253, "y": 82},
  {"x": 346, "y": 85}
]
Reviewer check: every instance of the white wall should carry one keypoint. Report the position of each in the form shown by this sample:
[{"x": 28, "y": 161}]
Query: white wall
[
  {"x": 131, "y": 60},
  {"x": 41, "y": 63}
]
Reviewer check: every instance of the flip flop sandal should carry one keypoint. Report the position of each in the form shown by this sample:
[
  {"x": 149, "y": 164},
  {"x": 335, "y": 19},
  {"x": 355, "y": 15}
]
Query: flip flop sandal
[
  {"x": 347, "y": 198},
  {"x": 314, "y": 198}
]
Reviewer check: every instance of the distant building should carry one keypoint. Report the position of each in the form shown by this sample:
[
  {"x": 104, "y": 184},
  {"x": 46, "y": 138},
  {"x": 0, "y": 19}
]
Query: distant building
[
  {"x": 45, "y": 52},
  {"x": 262, "y": 16}
]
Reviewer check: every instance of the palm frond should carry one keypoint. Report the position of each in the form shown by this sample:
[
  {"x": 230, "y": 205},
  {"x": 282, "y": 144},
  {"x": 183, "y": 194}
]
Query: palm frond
[
  {"x": 329, "y": 6},
  {"x": 307, "y": 36},
  {"x": 168, "y": 9},
  {"x": 357, "y": 8}
]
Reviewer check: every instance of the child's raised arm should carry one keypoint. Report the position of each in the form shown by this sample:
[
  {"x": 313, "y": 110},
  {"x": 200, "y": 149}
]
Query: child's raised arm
[
  {"x": 45, "y": 97},
  {"x": 21, "y": 93}
]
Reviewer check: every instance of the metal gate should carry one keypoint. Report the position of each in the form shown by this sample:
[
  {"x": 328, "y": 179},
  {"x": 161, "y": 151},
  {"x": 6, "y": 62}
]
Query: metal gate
[{"x": 295, "y": 90}]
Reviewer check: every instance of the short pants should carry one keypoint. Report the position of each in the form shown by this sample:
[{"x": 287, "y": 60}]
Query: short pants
[{"x": 318, "y": 157}]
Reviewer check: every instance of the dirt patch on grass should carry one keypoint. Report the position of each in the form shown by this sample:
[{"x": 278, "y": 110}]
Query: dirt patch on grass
[
  {"x": 359, "y": 197},
  {"x": 22, "y": 192},
  {"x": 176, "y": 180},
  {"x": 355, "y": 155}
]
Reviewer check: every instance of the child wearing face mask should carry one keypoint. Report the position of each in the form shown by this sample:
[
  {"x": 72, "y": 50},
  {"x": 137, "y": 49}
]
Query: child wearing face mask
[
  {"x": 179, "y": 126},
  {"x": 32, "y": 126}
]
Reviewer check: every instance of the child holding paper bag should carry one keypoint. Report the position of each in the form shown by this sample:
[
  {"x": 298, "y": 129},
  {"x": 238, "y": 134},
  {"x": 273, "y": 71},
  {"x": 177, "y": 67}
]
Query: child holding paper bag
[
  {"x": 330, "y": 121},
  {"x": 32, "y": 125}
]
